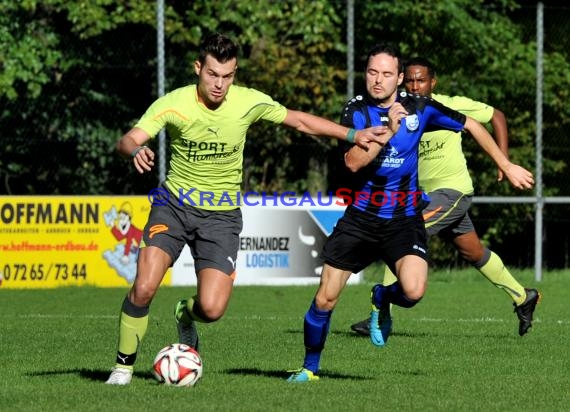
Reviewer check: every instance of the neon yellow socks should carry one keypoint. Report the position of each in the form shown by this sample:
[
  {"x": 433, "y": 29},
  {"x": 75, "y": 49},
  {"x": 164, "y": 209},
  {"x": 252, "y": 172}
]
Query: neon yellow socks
[
  {"x": 133, "y": 323},
  {"x": 389, "y": 277},
  {"x": 499, "y": 275},
  {"x": 192, "y": 312}
]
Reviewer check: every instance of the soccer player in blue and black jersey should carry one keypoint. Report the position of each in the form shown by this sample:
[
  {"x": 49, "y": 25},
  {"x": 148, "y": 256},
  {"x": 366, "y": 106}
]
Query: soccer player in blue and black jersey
[
  {"x": 444, "y": 176},
  {"x": 384, "y": 220}
]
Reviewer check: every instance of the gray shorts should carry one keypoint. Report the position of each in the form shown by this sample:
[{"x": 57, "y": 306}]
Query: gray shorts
[
  {"x": 447, "y": 214},
  {"x": 213, "y": 236}
]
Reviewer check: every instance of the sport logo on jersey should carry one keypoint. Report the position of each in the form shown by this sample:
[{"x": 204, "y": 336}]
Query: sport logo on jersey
[
  {"x": 389, "y": 157},
  {"x": 412, "y": 122}
]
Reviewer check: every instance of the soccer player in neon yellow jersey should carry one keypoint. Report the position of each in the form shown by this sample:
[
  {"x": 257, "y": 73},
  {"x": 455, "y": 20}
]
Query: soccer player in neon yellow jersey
[
  {"x": 207, "y": 125},
  {"x": 443, "y": 174}
]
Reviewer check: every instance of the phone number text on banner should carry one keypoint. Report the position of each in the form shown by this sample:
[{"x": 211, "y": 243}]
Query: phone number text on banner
[{"x": 51, "y": 241}]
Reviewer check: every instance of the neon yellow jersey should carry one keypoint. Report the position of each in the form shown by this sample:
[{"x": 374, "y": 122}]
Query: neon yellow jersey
[
  {"x": 207, "y": 145},
  {"x": 442, "y": 163}
]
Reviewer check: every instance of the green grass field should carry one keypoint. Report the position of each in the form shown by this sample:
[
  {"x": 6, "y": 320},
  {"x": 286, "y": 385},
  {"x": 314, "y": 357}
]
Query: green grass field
[{"x": 458, "y": 350}]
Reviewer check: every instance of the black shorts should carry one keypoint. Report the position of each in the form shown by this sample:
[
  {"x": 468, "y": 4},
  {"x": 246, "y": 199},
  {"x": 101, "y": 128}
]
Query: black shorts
[
  {"x": 360, "y": 239},
  {"x": 213, "y": 236}
]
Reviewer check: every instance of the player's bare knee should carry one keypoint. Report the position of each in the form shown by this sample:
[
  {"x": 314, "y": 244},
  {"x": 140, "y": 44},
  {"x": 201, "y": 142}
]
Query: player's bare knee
[
  {"x": 142, "y": 294},
  {"x": 211, "y": 313},
  {"x": 213, "y": 317},
  {"x": 415, "y": 296},
  {"x": 415, "y": 293},
  {"x": 473, "y": 253},
  {"x": 324, "y": 302},
  {"x": 471, "y": 256}
]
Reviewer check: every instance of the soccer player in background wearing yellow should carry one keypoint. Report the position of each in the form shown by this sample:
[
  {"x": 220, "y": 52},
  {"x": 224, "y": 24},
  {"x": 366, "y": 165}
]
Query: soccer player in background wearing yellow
[
  {"x": 443, "y": 174},
  {"x": 207, "y": 125}
]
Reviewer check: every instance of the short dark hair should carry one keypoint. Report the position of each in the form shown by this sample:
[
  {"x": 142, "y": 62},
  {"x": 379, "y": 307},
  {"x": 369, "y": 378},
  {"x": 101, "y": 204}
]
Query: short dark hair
[
  {"x": 421, "y": 61},
  {"x": 387, "y": 49},
  {"x": 219, "y": 46}
]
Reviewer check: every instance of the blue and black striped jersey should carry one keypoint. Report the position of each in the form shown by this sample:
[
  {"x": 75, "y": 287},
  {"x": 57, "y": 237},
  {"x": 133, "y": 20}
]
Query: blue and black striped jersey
[{"x": 388, "y": 187}]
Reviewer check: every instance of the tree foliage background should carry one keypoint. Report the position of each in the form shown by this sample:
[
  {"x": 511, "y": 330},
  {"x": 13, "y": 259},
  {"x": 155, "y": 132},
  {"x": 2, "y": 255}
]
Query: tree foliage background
[{"x": 76, "y": 74}]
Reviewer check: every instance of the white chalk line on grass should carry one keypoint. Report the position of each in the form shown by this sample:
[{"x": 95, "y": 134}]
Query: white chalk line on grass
[
  {"x": 266, "y": 318},
  {"x": 61, "y": 316},
  {"x": 488, "y": 320},
  {"x": 422, "y": 319}
]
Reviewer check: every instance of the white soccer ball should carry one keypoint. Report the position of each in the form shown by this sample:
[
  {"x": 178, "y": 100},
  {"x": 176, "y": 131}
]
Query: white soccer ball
[{"x": 177, "y": 364}]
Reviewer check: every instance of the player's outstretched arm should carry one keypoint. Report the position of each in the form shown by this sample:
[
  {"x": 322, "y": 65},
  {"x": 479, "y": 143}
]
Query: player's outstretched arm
[
  {"x": 517, "y": 175},
  {"x": 501, "y": 134},
  {"x": 319, "y": 126},
  {"x": 131, "y": 145}
]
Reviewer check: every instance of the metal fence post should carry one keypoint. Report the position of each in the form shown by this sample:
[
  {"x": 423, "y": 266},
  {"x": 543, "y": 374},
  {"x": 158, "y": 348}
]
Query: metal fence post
[
  {"x": 350, "y": 49},
  {"x": 538, "y": 184},
  {"x": 160, "y": 83}
]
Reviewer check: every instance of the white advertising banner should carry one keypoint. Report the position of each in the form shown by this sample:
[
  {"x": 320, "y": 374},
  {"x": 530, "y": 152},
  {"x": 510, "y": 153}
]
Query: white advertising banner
[{"x": 279, "y": 245}]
